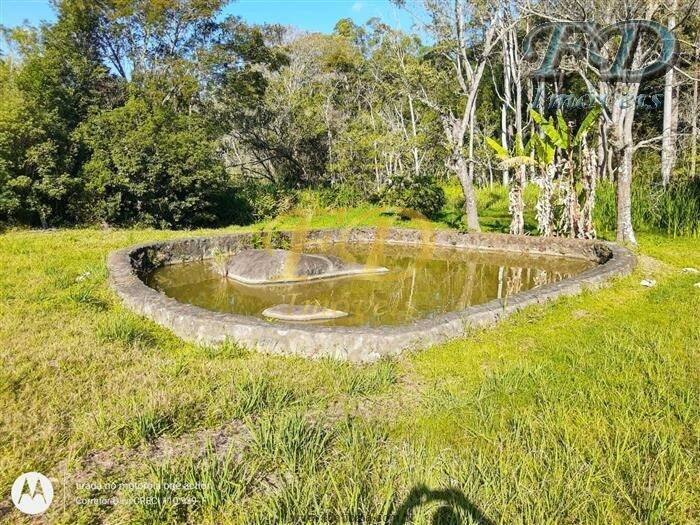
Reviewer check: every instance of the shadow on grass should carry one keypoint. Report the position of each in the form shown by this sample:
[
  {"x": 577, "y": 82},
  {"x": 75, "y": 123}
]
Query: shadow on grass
[{"x": 454, "y": 507}]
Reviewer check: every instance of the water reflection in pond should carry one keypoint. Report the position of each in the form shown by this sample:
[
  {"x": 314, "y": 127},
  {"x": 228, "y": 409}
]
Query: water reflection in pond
[{"x": 422, "y": 281}]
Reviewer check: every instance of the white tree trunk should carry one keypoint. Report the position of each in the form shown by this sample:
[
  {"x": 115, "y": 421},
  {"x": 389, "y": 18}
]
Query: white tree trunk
[
  {"x": 466, "y": 180},
  {"x": 694, "y": 136},
  {"x": 506, "y": 103},
  {"x": 668, "y": 145},
  {"x": 625, "y": 230}
]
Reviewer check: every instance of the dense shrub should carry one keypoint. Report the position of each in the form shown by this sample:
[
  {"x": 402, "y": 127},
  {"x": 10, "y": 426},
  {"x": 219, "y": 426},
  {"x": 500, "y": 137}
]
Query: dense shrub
[
  {"x": 266, "y": 200},
  {"x": 154, "y": 167},
  {"x": 342, "y": 195},
  {"x": 418, "y": 193},
  {"x": 43, "y": 98}
]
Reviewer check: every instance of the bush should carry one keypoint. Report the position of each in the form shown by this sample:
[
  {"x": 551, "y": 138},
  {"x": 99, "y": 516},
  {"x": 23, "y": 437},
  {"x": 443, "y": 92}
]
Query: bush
[
  {"x": 342, "y": 195},
  {"x": 266, "y": 200},
  {"x": 418, "y": 193},
  {"x": 153, "y": 167}
]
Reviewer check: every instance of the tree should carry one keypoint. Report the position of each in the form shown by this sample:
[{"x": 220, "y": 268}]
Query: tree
[
  {"x": 152, "y": 166},
  {"x": 465, "y": 35},
  {"x": 50, "y": 82}
]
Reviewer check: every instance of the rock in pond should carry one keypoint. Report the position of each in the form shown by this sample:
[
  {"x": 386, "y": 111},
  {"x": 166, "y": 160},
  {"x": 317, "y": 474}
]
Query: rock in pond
[
  {"x": 274, "y": 266},
  {"x": 302, "y": 312}
]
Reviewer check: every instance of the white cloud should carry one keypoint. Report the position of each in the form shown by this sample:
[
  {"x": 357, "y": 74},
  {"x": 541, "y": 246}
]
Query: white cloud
[{"x": 357, "y": 6}]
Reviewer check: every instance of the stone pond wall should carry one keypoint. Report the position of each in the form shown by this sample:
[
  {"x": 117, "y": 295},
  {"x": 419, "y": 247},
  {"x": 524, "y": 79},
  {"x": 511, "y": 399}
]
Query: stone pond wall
[{"x": 358, "y": 344}]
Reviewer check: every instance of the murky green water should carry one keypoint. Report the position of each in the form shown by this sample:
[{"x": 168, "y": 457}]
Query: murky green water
[{"x": 422, "y": 282}]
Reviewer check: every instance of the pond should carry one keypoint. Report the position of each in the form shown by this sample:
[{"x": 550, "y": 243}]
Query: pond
[{"x": 423, "y": 281}]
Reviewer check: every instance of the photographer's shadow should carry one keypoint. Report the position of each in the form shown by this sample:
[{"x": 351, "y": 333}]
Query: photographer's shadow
[{"x": 453, "y": 508}]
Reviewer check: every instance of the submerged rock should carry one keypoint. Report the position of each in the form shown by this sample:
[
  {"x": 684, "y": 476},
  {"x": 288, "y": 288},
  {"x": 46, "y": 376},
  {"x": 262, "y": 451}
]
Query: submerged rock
[
  {"x": 302, "y": 312},
  {"x": 273, "y": 266}
]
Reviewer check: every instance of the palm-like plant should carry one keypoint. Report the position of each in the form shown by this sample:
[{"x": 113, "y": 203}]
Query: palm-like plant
[
  {"x": 518, "y": 158},
  {"x": 562, "y": 151},
  {"x": 557, "y": 152}
]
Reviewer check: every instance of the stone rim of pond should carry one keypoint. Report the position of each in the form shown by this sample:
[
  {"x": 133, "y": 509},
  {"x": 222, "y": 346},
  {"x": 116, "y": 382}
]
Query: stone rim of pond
[{"x": 129, "y": 267}]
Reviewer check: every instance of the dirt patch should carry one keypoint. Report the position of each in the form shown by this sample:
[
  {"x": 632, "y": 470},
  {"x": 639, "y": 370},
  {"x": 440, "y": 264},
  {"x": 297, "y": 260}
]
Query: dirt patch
[{"x": 649, "y": 266}]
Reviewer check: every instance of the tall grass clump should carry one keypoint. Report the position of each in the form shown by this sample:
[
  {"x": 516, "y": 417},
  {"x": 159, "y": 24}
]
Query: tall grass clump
[
  {"x": 125, "y": 328},
  {"x": 184, "y": 490},
  {"x": 679, "y": 208},
  {"x": 88, "y": 296},
  {"x": 673, "y": 210},
  {"x": 262, "y": 393},
  {"x": 226, "y": 350},
  {"x": 290, "y": 440},
  {"x": 370, "y": 380},
  {"x": 147, "y": 425},
  {"x": 359, "y": 483}
]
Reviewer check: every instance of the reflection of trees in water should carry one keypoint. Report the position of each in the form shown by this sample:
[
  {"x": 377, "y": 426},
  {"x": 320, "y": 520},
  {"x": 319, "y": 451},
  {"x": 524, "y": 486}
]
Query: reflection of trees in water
[
  {"x": 468, "y": 286},
  {"x": 420, "y": 282},
  {"x": 376, "y": 255},
  {"x": 514, "y": 281},
  {"x": 541, "y": 277}
]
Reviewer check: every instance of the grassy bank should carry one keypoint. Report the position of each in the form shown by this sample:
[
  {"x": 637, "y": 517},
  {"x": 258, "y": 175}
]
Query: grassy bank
[{"x": 585, "y": 410}]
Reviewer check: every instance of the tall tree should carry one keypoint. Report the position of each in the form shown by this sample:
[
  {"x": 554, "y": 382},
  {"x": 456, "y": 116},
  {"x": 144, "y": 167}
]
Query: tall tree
[
  {"x": 53, "y": 78},
  {"x": 465, "y": 35}
]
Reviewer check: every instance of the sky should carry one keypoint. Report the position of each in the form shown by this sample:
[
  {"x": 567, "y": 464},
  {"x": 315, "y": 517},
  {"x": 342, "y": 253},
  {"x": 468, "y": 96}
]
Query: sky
[{"x": 310, "y": 15}]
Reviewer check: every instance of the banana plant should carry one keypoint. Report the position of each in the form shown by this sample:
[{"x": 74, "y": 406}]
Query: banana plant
[
  {"x": 559, "y": 134},
  {"x": 561, "y": 151},
  {"x": 518, "y": 158},
  {"x": 554, "y": 152}
]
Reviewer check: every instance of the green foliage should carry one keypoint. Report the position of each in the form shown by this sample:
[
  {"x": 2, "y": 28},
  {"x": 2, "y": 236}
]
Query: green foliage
[
  {"x": 557, "y": 134},
  {"x": 290, "y": 440},
  {"x": 497, "y": 147},
  {"x": 212, "y": 481},
  {"x": 520, "y": 155},
  {"x": 422, "y": 193},
  {"x": 170, "y": 114},
  {"x": 266, "y": 200},
  {"x": 336, "y": 195},
  {"x": 674, "y": 210},
  {"x": 256, "y": 395},
  {"x": 43, "y": 98},
  {"x": 147, "y": 425},
  {"x": 152, "y": 166}
]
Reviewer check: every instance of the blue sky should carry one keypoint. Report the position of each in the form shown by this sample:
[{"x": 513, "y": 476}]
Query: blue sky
[{"x": 311, "y": 15}]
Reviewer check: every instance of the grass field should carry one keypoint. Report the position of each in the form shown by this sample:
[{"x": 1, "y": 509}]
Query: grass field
[{"x": 581, "y": 411}]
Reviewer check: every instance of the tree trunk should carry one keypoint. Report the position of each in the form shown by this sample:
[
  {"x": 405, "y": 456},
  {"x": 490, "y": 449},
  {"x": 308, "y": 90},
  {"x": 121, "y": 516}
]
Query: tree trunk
[
  {"x": 589, "y": 169},
  {"x": 625, "y": 230},
  {"x": 516, "y": 204},
  {"x": 694, "y": 136},
  {"x": 668, "y": 145},
  {"x": 466, "y": 180},
  {"x": 543, "y": 208},
  {"x": 505, "y": 103},
  {"x": 416, "y": 161}
]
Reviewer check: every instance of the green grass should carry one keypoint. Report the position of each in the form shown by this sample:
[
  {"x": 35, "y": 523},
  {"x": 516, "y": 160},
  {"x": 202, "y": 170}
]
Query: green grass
[{"x": 581, "y": 411}]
